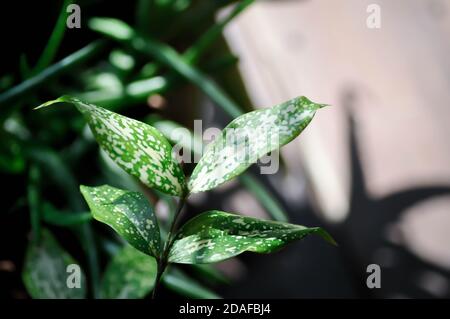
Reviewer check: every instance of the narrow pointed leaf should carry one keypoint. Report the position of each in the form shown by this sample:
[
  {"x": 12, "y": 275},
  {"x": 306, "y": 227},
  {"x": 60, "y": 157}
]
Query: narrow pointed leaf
[
  {"x": 214, "y": 236},
  {"x": 178, "y": 281},
  {"x": 138, "y": 148},
  {"x": 166, "y": 55},
  {"x": 128, "y": 213},
  {"x": 210, "y": 274},
  {"x": 130, "y": 275},
  {"x": 249, "y": 137},
  {"x": 53, "y": 216},
  {"x": 45, "y": 272},
  {"x": 25, "y": 88},
  {"x": 54, "y": 40}
]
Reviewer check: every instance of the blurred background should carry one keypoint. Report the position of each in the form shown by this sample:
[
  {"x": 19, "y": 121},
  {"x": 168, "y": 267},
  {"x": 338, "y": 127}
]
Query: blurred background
[{"x": 373, "y": 168}]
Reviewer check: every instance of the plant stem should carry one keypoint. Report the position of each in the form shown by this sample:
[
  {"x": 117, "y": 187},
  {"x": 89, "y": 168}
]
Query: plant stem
[
  {"x": 34, "y": 202},
  {"x": 162, "y": 262},
  {"x": 161, "y": 269},
  {"x": 175, "y": 220}
]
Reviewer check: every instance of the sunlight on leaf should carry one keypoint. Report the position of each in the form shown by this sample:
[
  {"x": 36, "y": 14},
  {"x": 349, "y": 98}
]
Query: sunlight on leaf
[
  {"x": 249, "y": 137},
  {"x": 138, "y": 148},
  {"x": 190, "y": 142}
]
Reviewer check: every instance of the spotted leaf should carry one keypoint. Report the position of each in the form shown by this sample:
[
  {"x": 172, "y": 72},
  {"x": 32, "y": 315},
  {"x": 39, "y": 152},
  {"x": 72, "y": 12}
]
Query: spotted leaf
[
  {"x": 130, "y": 275},
  {"x": 128, "y": 213},
  {"x": 249, "y": 137},
  {"x": 214, "y": 236},
  {"x": 46, "y": 274},
  {"x": 138, "y": 148}
]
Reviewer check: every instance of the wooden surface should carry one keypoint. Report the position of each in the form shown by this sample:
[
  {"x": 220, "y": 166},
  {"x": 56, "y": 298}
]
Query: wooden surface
[{"x": 393, "y": 82}]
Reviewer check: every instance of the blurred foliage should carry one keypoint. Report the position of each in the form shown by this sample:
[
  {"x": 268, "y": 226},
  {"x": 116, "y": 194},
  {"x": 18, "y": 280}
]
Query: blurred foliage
[{"x": 172, "y": 47}]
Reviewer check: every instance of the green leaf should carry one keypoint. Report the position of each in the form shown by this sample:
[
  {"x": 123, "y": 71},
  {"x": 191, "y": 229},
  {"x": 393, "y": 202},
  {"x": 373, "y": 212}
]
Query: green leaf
[
  {"x": 24, "y": 89},
  {"x": 128, "y": 213},
  {"x": 210, "y": 274},
  {"x": 185, "y": 138},
  {"x": 193, "y": 143},
  {"x": 214, "y": 236},
  {"x": 120, "y": 31},
  {"x": 45, "y": 272},
  {"x": 249, "y": 137},
  {"x": 138, "y": 148},
  {"x": 130, "y": 275},
  {"x": 179, "y": 282},
  {"x": 264, "y": 197},
  {"x": 55, "y": 39},
  {"x": 195, "y": 52},
  {"x": 57, "y": 217},
  {"x": 57, "y": 170},
  {"x": 12, "y": 157}
]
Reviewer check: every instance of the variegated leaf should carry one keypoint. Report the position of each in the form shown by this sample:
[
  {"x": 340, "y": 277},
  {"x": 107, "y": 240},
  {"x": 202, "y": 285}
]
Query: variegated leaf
[
  {"x": 138, "y": 148},
  {"x": 214, "y": 236},
  {"x": 130, "y": 275},
  {"x": 128, "y": 213},
  {"x": 249, "y": 137},
  {"x": 45, "y": 272}
]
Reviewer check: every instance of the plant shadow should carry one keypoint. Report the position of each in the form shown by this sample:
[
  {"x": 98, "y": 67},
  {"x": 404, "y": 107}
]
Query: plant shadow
[{"x": 311, "y": 268}]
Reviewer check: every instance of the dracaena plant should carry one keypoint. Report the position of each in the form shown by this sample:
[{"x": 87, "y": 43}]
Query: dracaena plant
[{"x": 143, "y": 152}]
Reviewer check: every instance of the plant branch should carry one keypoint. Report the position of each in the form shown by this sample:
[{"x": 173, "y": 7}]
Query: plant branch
[
  {"x": 34, "y": 202},
  {"x": 175, "y": 221},
  {"x": 162, "y": 262}
]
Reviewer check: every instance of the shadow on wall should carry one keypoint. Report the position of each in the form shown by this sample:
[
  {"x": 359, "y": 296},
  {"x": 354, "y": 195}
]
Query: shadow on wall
[
  {"x": 311, "y": 268},
  {"x": 364, "y": 235}
]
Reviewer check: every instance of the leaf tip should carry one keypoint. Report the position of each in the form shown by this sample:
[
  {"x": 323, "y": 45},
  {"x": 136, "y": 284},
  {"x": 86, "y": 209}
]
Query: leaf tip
[
  {"x": 307, "y": 103},
  {"x": 61, "y": 99},
  {"x": 48, "y": 103},
  {"x": 84, "y": 190},
  {"x": 323, "y": 105},
  {"x": 327, "y": 237}
]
